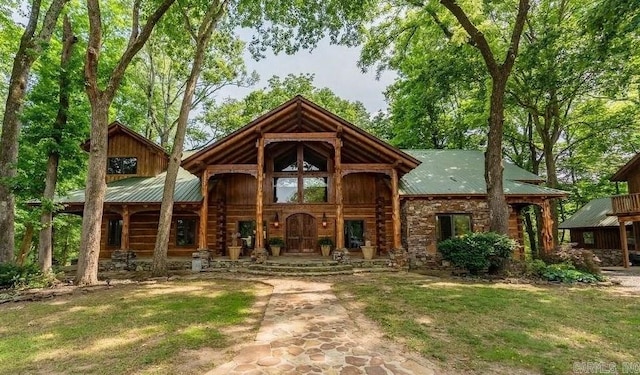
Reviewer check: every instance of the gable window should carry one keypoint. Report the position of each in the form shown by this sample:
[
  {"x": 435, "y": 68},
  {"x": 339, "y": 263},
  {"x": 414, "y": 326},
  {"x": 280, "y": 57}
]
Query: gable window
[
  {"x": 114, "y": 232},
  {"x": 452, "y": 225},
  {"x": 300, "y": 176},
  {"x": 354, "y": 233},
  {"x": 185, "y": 232},
  {"x": 122, "y": 165}
]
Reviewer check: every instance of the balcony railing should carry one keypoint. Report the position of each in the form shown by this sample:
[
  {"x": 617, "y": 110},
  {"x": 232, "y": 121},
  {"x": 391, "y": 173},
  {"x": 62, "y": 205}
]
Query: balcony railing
[{"x": 626, "y": 204}]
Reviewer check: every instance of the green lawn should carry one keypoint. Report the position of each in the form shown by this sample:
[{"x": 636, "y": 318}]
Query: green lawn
[
  {"x": 174, "y": 327},
  {"x": 488, "y": 327}
]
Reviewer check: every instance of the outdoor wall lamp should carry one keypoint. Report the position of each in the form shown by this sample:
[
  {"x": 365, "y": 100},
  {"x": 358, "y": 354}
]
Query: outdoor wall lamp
[
  {"x": 324, "y": 220},
  {"x": 276, "y": 221}
]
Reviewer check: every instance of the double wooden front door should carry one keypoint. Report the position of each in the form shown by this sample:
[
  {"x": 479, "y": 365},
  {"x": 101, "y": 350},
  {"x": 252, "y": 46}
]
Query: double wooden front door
[{"x": 301, "y": 233}]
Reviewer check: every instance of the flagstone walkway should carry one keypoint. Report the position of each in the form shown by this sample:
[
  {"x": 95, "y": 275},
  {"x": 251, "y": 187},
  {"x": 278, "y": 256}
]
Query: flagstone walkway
[{"x": 306, "y": 330}]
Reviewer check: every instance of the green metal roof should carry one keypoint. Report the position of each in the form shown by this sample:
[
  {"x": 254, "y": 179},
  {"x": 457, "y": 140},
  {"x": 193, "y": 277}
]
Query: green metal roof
[
  {"x": 592, "y": 215},
  {"x": 144, "y": 190},
  {"x": 462, "y": 172}
]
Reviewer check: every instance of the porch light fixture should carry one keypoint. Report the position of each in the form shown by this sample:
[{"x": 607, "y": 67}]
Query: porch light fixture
[
  {"x": 276, "y": 221},
  {"x": 324, "y": 220}
]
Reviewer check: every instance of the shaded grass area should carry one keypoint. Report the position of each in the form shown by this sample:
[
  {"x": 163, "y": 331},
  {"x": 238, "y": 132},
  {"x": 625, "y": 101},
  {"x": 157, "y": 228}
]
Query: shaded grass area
[
  {"x": 123, "y": 330},
  {"x": 482, "y": 327}
]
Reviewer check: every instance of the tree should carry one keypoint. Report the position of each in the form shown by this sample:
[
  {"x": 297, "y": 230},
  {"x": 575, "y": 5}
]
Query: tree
[
  {"x": 201, "y": 36},
  {"x": 482, "y": 25},
  {"x": 45, "y": 244},
  {"x": 100, "y": 100},
  {"x": 36, "y": 35}
]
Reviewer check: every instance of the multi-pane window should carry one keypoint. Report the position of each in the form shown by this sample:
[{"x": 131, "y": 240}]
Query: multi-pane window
[
  {"x": 300, "y": 176},
  {"x": 452, "y": 225},
  {"x": 354, "y": 233},
  {"x": 114, "y": 232},
  {"x": 122, "y": 165},
  {"x": 587, "y": 238},
  {"x": 185, "y": 232}
]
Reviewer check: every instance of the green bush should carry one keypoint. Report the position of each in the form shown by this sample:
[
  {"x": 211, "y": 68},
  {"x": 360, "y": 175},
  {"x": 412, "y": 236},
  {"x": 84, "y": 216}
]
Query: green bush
[
  {"x": 28, "y": 276},
  {"x": 477, "y": 252},
  {"x": 559, "y": 272}
]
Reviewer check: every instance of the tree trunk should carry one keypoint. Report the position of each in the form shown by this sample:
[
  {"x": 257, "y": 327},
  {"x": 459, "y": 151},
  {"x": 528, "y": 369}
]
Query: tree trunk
[
  {"x": 531, "y": 232},
  {"x": 94, "y": 196},
  {"x": 552, "y": 181},
  {"x": 27, "y": 241},
  {"x": 100, "y": 101},
  {"x": 498, "y": 209},
  {"x": 159, "y": 267},
  {"x": 29, "y": 50},
  {"x": 45, "y": 252}
]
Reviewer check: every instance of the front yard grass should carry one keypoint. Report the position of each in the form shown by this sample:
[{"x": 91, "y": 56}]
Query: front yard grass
[
  {"x": 173, "y": 327},
  {"x": 487, "y": 328}
]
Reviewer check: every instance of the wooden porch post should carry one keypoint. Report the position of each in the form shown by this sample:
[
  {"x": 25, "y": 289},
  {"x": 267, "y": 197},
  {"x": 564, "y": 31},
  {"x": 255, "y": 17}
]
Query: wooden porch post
[
  {"x": 260, "y": 194},
  {"x": 548, "y": 242},
  {"x": 623, "y": 242},
  {"x": 124, "y": 235},
  {"x": 339, "y": 207},
  {"x": 395, "y": 205},
  {"x": 204, "y": 211}
]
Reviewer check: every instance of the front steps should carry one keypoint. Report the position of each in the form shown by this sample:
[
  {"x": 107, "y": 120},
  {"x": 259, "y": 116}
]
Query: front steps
[{"x": 307, "y": 267}]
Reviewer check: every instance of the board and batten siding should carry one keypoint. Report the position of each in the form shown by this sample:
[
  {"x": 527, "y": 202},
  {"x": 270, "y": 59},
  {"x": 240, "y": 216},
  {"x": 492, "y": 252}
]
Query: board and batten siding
[{"x": 151, "y": 162}]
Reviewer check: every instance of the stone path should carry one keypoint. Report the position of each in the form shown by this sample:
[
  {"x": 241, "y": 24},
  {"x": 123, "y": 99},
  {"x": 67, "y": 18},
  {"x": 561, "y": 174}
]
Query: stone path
[{"x": 306, "y": 330}]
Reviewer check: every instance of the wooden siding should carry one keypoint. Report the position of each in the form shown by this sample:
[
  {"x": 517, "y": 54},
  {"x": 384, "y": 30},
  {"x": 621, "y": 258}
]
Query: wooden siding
[
  {"x": 143, "y": 229},
  {"x": 150, "y": 161},
  {"x": 604, "y": 238}
]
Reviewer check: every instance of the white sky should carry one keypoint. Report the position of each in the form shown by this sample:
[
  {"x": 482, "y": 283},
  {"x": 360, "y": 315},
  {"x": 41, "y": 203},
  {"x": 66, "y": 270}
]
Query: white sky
[{"x": 333, "y": 66}]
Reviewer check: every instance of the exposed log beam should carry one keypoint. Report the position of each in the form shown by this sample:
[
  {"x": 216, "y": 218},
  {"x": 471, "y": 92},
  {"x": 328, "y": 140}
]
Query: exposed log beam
[
  {"x": 251, "y": 169},
  {"x": 395, "y": 207},
  {"x": 625, "y": 244},
  {"x": 548, "y": 242},
  {"x": 124, "y": 236},
  {"x": 338, "y": 186},
  {"x": 204, "y": 212},
  {"x": 367, "y": 168},
  {"x": 260, "y": 195},
  {"x": 328, "y": 137}
]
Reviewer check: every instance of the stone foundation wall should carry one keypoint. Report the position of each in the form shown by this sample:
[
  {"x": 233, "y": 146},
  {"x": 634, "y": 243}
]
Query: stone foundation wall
[{"x": 609, "y": 257}]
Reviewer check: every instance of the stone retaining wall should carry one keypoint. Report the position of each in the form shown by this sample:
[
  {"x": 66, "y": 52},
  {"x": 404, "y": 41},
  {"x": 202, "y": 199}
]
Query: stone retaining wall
[{"x": 609, "y": 257}]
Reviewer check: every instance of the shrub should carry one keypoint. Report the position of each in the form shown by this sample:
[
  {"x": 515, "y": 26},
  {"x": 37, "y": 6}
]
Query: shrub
[
  {"x": 325, "y": 241},
  {"x": 581, "y": 259},
  {"x": 477, "y": 252},
  {"x": 276, "y": 241},
  {"x": 567, "y": 273},
  {"x": 28, "y": 276}
]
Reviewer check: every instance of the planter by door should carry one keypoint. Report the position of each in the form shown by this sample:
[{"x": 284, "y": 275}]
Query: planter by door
[
  {"x": 234, "y": 252},
  {"x": 368, "y": 251},
  {"x": 275, "y": 250},
  {"x": 326, "y": 249}
]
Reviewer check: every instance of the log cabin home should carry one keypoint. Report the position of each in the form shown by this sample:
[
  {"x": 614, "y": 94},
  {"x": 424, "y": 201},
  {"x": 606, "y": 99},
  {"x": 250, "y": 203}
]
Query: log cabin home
[
  {"x": 594, "y": 227},
  {"x": 302, "y": 173},
  {"x": 626, "y": 208}
]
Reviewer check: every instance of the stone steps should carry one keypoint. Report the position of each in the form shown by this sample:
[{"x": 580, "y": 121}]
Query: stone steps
[
  {"x": 294, "y": 268},
  {"x": 296, "y": 274},
  {"x": 374, "y": 270},
  {"x": 301, "y": 263}
]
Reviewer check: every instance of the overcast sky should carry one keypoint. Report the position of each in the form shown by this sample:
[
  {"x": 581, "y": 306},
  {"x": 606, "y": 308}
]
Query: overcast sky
[{"x": 333, "y": 66}]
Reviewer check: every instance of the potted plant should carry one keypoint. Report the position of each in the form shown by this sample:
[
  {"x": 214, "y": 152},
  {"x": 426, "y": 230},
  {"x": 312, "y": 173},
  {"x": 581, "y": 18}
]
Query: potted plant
[
  {"x": 276, "y": 243},
  {"x": 325, "y": 245},
  {"x": 235, "y": 249}
]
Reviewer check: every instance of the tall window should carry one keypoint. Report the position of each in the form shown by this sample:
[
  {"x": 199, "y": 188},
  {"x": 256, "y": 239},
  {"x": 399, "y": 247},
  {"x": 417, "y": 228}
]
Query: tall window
[
  {"x": 587, "y": 238},
  {"x": 300, "y": 176},
  {"x": 185, "y": 232},
  {"x": 114, "y": 232},
  {"x": 452, "y": 225},
  {"x": 120, "y": 165},
  {"x": 247, "y": 230},
  {"x": 354, "y": 233}
]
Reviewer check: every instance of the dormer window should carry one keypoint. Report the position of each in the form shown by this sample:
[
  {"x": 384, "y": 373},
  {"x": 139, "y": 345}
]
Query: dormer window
[{"x": 122, "y": 165}]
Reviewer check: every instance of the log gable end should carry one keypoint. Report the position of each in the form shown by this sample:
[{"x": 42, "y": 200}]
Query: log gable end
[{"x": 131, "y": 155}]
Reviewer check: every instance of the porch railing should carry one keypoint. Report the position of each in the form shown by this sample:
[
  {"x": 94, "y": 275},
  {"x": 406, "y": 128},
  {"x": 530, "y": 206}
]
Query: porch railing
[{"x": 626, "y": 204}]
